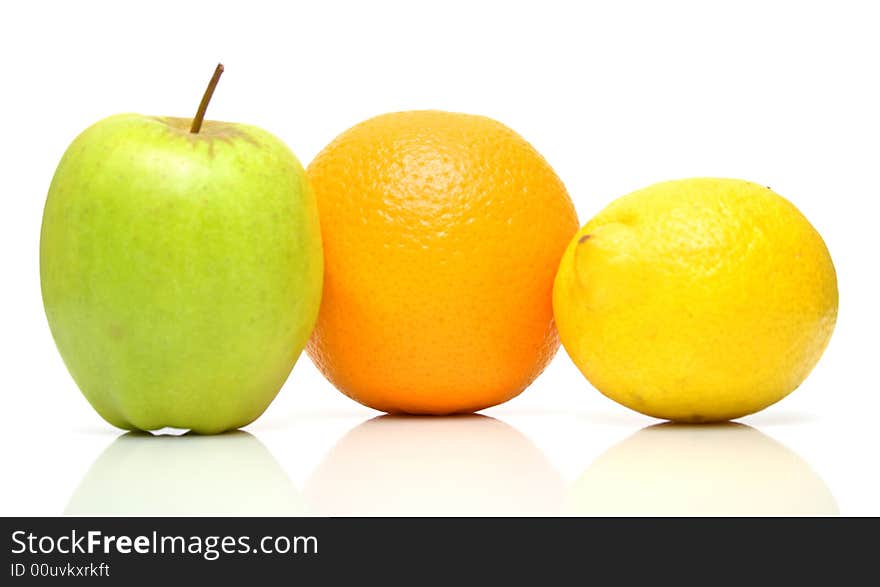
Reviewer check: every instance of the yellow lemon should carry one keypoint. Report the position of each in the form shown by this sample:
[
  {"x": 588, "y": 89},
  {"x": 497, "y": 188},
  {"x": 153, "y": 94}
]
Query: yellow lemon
[{"x": 696, "y": 300}]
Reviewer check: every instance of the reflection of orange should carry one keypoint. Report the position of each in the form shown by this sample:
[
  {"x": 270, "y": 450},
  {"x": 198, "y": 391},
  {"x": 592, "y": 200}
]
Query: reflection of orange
[
  {"x": 469, "y": 465},
  {"x": 442, "y": 235}
]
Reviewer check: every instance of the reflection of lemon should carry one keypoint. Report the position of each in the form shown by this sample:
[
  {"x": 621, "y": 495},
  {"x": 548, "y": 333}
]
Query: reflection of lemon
[
  {"x": 717, "y": 470},
  {"x": 696, "y": 300}
]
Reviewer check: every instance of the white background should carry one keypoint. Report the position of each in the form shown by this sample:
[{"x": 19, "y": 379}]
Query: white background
[{"x": 616, "y": 95}]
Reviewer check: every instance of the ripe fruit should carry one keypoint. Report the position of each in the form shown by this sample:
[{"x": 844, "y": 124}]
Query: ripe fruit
[
  {"x": 181, "y": 271},
  {"x": 696, "y": 300},
  {"x": 442, "y": 234}
]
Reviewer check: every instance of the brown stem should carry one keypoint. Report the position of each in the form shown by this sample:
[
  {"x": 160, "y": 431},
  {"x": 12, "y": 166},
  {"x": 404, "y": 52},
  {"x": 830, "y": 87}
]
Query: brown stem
[{"x": 203, "y": 107}]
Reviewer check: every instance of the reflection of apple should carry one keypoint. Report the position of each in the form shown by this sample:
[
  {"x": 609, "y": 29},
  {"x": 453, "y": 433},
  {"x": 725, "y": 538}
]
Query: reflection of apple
[
  {"x": 681, "y": 470},
  {"x": 460, "y": 465},
  {"x": 230, "y": 474},
  {"x": 181, "y": 271}
]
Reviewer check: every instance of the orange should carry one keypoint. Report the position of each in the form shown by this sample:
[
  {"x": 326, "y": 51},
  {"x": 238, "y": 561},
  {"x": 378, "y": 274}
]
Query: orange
[{"x": 442, "y": 235}]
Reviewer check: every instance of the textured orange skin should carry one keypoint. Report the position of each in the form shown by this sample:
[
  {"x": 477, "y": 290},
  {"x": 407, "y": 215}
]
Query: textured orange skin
[{"x": 442, "y": 235}]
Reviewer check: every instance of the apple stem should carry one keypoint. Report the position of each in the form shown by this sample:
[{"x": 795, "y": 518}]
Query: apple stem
[{"x": 203, "y": 106}]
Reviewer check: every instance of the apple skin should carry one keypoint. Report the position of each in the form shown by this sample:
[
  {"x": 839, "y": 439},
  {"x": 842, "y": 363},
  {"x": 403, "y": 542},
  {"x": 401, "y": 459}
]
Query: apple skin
[{"x": 181, "y": 273}]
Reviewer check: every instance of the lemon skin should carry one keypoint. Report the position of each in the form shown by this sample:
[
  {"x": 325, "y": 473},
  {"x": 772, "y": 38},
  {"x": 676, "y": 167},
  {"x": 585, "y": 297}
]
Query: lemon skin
[{"x": 696, "y": 300}]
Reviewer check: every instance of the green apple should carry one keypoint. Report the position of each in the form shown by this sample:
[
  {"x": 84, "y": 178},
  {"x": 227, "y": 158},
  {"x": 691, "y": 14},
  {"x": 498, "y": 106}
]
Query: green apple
[{"x": 181, "y": 269}]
